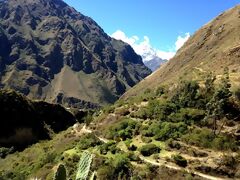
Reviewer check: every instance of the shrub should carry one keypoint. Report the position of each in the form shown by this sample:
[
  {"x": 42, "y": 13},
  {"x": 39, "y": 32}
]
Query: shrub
[
  {"x": 205, "y": 138},
  {"x": 170, "y": 130},
  {"x": 132, "y": 147},
  {"x": 160, "y": 110},
  {"x": 61, "y": 173},
  {"x": 126, "y": 128},
  {"x": 173, "y": 144},
  {"x": 5, "y": 151},
  {"x": 146, "y": 139},
  {"x": 187, "y": 94},
  {"x": 89, "y": 140},
  {"x": 149, "y": 149},
  {"x": 133, "y": 157},
  {"x": 179, "y": 160},
  {"x": 108, "y": 109},
  {"x": 128, "y": 142},
  {"x": 120, "y": 162},
  {"x": 105, "y": 172},
  {"x": 109, "y": 146},
  {"x": 237, "y": 94},
  {"x": 187, "y": 115},
  {"x": 160, "y": 91}
]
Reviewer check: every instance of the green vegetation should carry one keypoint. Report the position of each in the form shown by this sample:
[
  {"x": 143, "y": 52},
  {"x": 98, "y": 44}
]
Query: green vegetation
[
  {"x": 206, "y": 138},
  {"x": 84, "y": 166},
  {"x": 110, "y": 146},
  {"x": 126, "y": 128},
  {"x": 179, "y": 160},
  {"x": 61, "y": 173},
  {"x": 156, "y": 125},
  {"x": 5, "y": 151},
  {"x": 165, "y": 130},
  {"x": 88, "y": 140},
  {"x": 149, "y": 149}
]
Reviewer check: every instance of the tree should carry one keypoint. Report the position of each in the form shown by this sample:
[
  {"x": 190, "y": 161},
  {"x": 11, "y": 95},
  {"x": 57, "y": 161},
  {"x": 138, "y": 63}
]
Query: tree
[
  {"x": 215, "y": 108},
  {"x": 209, "y": 85},
  {"x": 186, "y": 94}
]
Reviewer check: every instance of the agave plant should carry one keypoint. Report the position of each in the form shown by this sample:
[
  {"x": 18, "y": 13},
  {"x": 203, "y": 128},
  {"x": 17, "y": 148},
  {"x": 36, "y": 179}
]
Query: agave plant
[{"x": 84, "y": 166}]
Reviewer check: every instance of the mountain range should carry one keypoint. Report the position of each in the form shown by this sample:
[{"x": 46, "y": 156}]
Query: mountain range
[
  {"x": 180, "y": 122},
  {"x": 154, "y": 63},
  {"x": 51, "y": 52}
]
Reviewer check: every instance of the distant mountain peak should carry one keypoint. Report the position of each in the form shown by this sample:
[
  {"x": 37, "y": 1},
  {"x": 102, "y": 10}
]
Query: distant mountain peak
[{"x": 155, "y": 63}]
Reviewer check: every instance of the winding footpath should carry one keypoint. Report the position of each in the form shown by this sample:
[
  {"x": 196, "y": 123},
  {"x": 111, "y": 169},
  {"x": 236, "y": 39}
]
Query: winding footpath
[{"x": 159, "y": 163}]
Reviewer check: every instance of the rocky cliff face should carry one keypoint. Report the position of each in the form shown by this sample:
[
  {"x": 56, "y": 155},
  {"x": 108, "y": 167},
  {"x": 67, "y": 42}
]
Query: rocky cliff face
[{"x": 50, "y": 51}]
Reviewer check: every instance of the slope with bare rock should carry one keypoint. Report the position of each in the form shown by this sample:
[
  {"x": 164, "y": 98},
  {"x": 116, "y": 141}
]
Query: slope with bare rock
[{"x": 51, "y": 52}]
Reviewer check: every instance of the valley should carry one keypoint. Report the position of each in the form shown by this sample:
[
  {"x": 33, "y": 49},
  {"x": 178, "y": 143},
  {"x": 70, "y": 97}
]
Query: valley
[{"x": 76, "y": 103}]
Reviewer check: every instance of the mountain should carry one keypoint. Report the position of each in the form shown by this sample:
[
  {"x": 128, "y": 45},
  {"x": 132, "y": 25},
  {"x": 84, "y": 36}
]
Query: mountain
[
  {"x": 212, "y": 48},
  {"x": 51, "y": 52},
  {"x": 155, "y": 63},
  {"x": 186, "y": 128}
]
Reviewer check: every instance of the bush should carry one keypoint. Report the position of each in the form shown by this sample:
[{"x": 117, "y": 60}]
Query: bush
[
  {"x": 179, "y": 160},
  {"x": 149, "y": 149},
  {"x": 187, "y": 94},
  {"x": 237, "y": 94},
  {"x": 187, "y": 115},
  {"x": 126, "y": 128},
  {"x": 205, "y": 138},
  {"x": 117, "y": 167},
  {"x": 156, "y": 109},
  {"x": 109, "y": 146},
  {"x": 105, "y": 172},
  {"x": 5, "y": 151},
  {"x": 120, "y": 162},
  {"x": 170, "y": 130},
  {"x": 61, "y": 173},
  {"x": 173, "y": 144},
  {"x": 89, "y": 140},
  {"x": 160, "y": 91},
  {"x": 132, "y": 147},
  {"x": 133, "y": 157},
  {"x": 146, "y": 139},
  {"x": 108, "y": 109}
]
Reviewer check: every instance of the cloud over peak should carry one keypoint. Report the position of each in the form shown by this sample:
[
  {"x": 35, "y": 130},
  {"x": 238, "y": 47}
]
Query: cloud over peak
[
  {"x": 181, "y": 40},
  {"x": 145, "y": 49}
]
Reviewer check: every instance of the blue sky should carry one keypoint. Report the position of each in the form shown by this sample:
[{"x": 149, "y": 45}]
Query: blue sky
[{"x": 162, "y": 21}]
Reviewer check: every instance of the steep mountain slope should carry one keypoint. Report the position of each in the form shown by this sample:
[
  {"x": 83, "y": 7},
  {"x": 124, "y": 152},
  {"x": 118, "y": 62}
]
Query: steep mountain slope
[
  {"x": 155, "y": 63},
  {"x": 213, "y": 47},
  {"x": 50, "y": 51}
]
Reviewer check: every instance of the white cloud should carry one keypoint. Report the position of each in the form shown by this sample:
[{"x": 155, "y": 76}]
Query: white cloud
[
  {"x": 144, "y": 47},
  {"x": 181, "y": 40}
]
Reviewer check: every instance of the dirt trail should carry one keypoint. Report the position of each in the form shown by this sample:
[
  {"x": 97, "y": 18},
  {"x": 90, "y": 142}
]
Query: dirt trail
[
  {"x": 160, "y": 162},
  {"x": 85, "y": 130},
  {"x": 171, "y": 166}
]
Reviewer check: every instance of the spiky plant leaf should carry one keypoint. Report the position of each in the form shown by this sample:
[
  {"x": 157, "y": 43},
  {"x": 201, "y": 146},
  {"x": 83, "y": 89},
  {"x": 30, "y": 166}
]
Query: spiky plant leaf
[{"x": 84, "y": 166}]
